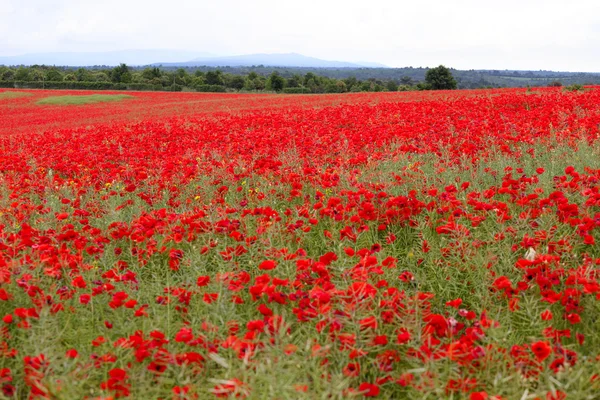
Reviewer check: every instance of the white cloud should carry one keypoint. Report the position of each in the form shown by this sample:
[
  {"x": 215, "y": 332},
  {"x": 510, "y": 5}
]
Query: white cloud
[{"x": 526, "y": 34}]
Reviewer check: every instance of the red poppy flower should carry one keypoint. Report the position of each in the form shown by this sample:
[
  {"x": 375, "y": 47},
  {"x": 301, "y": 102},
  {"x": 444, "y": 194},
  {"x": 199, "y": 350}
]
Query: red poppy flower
[
  {"x": 541, "y": 350},
  {"x": 267, "y": 265},
  {"x": 368, "y": 389}
]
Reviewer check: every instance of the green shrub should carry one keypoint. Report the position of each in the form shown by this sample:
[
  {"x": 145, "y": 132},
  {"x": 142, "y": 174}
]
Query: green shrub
[
  {"x": 296, "y": 90},
  {"x": 175, "y": 88},
  {"x": 574, "y": 88},
  {"x": 211, "y": 88}
]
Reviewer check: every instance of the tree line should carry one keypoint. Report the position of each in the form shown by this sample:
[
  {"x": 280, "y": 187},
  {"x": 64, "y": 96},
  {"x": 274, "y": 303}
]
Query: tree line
[{"x": 154, "y": 78}]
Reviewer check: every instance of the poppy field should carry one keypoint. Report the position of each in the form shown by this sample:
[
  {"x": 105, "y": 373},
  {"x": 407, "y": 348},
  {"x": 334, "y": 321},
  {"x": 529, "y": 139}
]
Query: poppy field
[{"x": 413, "y": 245}]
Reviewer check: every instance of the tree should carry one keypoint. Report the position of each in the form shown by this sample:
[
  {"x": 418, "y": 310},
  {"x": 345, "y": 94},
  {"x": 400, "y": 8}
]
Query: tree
[
  {"x": 179, "y": 77},
  {"x": 311, "y": 77},
  {"x": 351, "y": 82},
  {"x": 276, "y": 82},
  {"x": 406, "y": 80},
  {"x": 214, "y": 77},
  {"x": 22, "y": 74},
  {"x": 100, "y": 77},
  {"x": 8, "y": 75},
  {"x": 121, "y": 74},
  {"x": 37, "y": 75},
  {"x": 254, "y": 82},
  {"x": 440, "y": 78},
  {"x": 312, "y": 85},
  {"x": 294, "y": 81},
  {"x": 151, "y": 73},
  {"x": 391, "y": 86},
  {"x": 236, "y": 81},
  {"x": 340, "y": 86},
  {"x": 83, "y": 75},
  {"x": 54, "y": 75},
  {"x": 198, "y": 81}
]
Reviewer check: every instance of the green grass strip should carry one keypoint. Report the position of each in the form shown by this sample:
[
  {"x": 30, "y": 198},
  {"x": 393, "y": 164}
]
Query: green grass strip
[
  {"x": 13, "y": 95},
  {"x": 86, "y": 99}
]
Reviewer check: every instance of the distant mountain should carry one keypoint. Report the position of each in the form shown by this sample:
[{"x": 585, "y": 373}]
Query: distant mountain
[
  {"x": 271, "y": 60},
  {"x": 177, "y": 58},
  {"x": 85, "y": 59}
]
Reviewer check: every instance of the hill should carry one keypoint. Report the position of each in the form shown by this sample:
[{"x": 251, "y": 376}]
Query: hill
[{"x": 272, "y": 60}]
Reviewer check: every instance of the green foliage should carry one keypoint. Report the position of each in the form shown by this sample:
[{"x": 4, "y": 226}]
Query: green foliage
[
  {"x": 83, "y": 75},
  {"x": 275, "y": 82},
  {"x": 254, "y": 82},
  {"x": 54, "y": 75},
  {"x": 313, "y": 86},
  {"x": 100, "y": 77},
  {"x": 336, "y": 87},
  {"x": 151, "y": 73},
  {"x": 317, "y": 80},
  {"x": 296, "y": 90},
  {"x": 406, "y": 81},
  {"x": 7, "y": 75},
  {"x": 574, "y": 88},
  {"x": 124, "y": 77},
  {"x": 175, "y": 88},
  {"x": 236, "y": 82},
  {"x": 37, "y": 75},
  {"x": 440, "y": 78},
  {"x": 138, "y": 86},
  {"x": 311, "y": 77},
  {"x": 214, "y": 78},
  {"x": 121, "y": 74},
  {"x": 294, "y": 81},
  {"x": 211, "y": 88},
  {"x": 391, "y": 86},
  {"x": 7, "y": 85},
  {"x": 23, "y": 74}
]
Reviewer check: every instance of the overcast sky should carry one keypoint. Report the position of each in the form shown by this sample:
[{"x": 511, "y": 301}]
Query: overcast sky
[{"x": 464, "y": 34}]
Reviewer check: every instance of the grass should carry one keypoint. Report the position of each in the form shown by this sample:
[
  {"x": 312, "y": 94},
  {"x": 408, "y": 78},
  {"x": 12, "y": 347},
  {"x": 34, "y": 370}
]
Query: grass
[
  {"x": 86, "y": 99},
  {"x": 13, "y": 95}
]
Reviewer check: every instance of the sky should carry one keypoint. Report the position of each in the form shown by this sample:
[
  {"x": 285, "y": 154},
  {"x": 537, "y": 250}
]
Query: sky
[{"x": 463, "y": 34}]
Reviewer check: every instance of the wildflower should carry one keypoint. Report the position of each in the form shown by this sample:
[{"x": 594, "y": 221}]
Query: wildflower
[{"x": 541, "y": 350}]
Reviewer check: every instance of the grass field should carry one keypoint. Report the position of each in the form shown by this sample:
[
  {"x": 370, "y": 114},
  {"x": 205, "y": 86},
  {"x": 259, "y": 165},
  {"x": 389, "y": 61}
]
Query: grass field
[
  {"x": 395, "y": 246},
  {"x": 9, "y": 95},
  {"x": 80, "y": 100}
]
